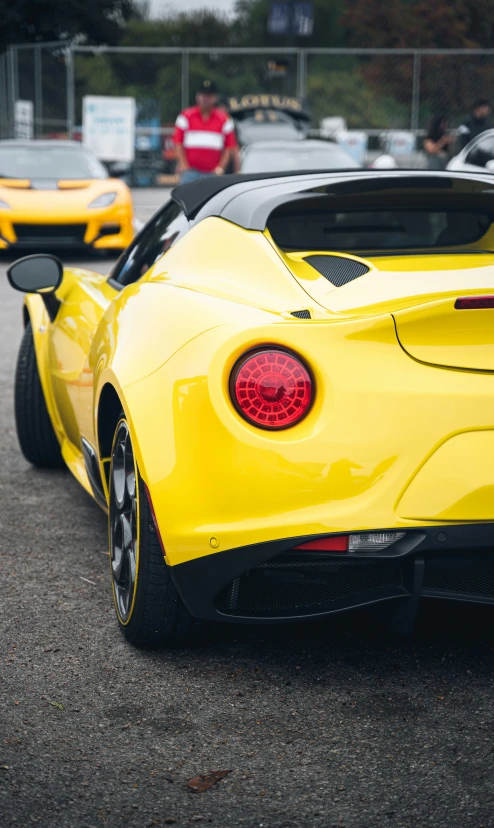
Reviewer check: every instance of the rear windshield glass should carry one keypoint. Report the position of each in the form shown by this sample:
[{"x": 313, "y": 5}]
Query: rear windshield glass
[{"x": 376, "y": 229}]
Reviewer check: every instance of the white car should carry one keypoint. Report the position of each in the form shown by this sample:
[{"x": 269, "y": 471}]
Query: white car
[{"x": 477, "y": 156}]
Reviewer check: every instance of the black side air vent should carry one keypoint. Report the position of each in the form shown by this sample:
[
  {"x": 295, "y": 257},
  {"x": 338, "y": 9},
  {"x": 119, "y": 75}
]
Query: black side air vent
[
  {"x": 303, "y": 314},
  {"x": 337, "y": 270}
]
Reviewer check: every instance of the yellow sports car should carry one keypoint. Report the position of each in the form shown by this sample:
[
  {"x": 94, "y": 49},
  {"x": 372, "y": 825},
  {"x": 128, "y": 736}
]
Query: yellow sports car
[
  {"x": 283, "y": 396},
  {"x": 56, "y": 194}
]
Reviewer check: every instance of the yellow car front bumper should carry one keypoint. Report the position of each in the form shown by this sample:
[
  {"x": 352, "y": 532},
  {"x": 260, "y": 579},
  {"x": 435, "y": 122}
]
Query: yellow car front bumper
[{"x": 98, "y": 228}]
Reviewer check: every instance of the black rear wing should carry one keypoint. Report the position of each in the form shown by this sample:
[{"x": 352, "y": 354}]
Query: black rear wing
[{"x": 248, "y": 200}]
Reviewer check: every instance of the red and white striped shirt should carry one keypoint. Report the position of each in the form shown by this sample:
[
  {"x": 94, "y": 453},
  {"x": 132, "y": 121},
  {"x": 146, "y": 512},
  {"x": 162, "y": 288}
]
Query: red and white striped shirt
[{"x": 204, "y": 139}]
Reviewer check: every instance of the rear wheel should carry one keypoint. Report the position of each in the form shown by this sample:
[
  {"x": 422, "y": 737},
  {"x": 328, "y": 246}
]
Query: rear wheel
[
  {"x": 149, "y": 609},
  {"x": 35, "y": 432}
]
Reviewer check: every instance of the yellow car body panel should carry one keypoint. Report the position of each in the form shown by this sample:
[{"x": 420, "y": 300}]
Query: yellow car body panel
[
  {"x": 455, "y": 483},
  {"x": 238, "y": 271},
  {"x": 338, "y": 471},
  {"x": 395, "y": 283},
  {"x": 443, "y": 335},
  {"x": 67, "y": 205}
]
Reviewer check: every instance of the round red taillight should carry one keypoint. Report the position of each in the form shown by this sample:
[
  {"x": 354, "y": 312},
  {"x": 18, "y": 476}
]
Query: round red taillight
[{"x": 271, "y": 388}]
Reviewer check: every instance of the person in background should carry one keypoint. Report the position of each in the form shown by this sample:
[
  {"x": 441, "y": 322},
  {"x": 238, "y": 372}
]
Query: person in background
[
  {"x": 204, "y": 137},
  {"x": 476, "y": 123},
  {"x": 234, "y": 162},
  {"x": 438, "y": 143}
]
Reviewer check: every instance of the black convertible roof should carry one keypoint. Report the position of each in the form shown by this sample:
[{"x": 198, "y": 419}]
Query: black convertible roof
[
  {"x": 196, "y": 194},
  {"x": 248, "y": 200}
]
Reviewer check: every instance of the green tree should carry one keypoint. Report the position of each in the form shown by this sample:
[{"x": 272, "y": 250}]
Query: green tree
[
  {"x": 100, "y": 21},
  {"x": 413, "y": 24},
  {"x": 448, "y": 85},
  {"x": 343, "y": 91},
  {"x": 200, "y": 28}
]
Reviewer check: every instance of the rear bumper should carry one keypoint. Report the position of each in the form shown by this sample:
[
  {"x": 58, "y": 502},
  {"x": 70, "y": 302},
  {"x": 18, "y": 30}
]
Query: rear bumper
[{"x": 269, "y": 582}]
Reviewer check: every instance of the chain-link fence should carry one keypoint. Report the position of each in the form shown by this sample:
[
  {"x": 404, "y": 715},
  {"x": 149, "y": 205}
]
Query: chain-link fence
[
  {"x": 373, "y": 89},
  {"x": 38, "y": 74}
]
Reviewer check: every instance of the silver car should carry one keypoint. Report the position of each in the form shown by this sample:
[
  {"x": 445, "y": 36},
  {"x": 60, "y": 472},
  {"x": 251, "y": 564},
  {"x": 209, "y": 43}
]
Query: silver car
[
  {"x": 287, "y": 156},
  {"x": 477, "y": 156}
]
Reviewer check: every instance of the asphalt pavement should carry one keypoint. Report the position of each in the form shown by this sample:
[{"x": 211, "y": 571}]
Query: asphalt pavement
[{"x": 337, "y": 724}]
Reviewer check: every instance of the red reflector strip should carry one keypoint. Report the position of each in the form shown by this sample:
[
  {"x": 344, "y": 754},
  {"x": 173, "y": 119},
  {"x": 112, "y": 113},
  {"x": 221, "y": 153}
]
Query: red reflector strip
[
  {"x": 336, "y": 543},
  {"x": 474, "y": 302}
]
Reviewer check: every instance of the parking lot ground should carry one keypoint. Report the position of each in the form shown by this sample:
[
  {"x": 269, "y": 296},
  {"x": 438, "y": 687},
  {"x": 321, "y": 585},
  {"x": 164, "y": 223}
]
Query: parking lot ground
[{"x": 336, "y": 724}]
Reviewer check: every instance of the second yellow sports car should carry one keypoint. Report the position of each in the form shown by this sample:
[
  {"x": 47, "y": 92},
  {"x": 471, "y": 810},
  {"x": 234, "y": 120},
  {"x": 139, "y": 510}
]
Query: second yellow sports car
[
  {"x": 283, "y": 396},
  {"x": 57, "y": 194}
]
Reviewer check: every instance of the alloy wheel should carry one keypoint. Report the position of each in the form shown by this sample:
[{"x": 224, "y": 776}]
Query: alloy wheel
[{"x": 124, "y": 541}]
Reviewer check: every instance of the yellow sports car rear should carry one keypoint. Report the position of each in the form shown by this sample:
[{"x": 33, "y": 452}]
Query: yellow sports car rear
[
  {"x": 283, "y": 396},
  {"x": 57, "y": 194}
]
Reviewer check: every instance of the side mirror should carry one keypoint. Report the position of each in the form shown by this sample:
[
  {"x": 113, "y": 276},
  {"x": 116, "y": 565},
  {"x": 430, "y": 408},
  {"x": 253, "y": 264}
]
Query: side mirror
[
  {"x": 41, "y": 274},
  {"x": 490, "y": 165},
  {"x": 36, "y": 273}
]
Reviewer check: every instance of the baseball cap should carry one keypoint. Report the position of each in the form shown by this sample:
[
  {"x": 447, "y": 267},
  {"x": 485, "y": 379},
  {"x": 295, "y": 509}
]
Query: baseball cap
[{"x": 207, "y": 87}]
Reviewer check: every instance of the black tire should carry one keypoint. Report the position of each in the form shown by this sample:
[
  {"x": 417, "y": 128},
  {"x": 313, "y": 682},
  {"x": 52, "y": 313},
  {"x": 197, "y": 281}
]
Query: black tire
[
  {"x": 35, "y": 432},
  {"x": 150, "y": 611}
]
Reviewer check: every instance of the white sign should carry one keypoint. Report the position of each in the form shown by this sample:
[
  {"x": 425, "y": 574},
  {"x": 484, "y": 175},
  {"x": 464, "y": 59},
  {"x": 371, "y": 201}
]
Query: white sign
[
  {"x": 400, "y": 143},
  {"x": 331, "y": 125},
  {"x": 108, "y": 127},
  {"x": 23, "y": 120},
  {"x": 354, "y": 143}
]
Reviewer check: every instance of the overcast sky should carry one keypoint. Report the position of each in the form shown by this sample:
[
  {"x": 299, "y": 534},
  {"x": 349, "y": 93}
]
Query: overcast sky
[{"x": 158, "y": 7}]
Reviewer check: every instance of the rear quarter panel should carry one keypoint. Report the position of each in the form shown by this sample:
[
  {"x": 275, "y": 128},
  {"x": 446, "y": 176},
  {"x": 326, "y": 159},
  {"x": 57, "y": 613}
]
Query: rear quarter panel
[
  {"x": 144, "y": 327},
  {"x": 377, "y": 416}
]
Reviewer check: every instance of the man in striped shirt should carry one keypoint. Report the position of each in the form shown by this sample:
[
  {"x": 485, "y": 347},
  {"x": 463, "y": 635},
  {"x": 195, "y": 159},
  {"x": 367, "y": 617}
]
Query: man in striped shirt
[{"x": 204, "y": 137}]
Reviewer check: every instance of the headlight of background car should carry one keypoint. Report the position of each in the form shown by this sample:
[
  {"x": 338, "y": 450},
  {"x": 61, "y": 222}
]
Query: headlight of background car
[
  {"x": 4, "y": 205},
  {"x": 104, "y": 200}
]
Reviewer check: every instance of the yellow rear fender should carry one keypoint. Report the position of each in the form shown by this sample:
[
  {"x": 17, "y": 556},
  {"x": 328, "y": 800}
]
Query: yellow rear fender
[
  {"x": 218, "y": 482},
  {"x": 150, "y": 321},
  {"x": 206, "y": 468}
]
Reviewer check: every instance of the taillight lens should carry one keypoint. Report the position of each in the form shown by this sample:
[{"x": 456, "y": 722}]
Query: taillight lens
[
  {"x": 335, "y": 543},
  {"x": 364, "y": 542},
  {"x": 271, "y": 388},
  {"x": 474, "y": 302}
]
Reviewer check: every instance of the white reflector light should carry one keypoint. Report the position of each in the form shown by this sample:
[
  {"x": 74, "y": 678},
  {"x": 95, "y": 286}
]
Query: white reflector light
[{"x": 373, "y": 541}]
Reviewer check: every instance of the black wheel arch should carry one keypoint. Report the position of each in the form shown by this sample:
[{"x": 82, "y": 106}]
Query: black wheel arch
[{"x": 109, "y": 412}]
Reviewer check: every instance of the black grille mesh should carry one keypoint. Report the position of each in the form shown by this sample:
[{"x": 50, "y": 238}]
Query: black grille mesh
[
  {"x": 337, "y": 270},
  {"x": 469, "y": 574},
  {"x": 303, "y": 314},
  {"x": 25, "y": 232},
  {"x": 300, "y": 582}
]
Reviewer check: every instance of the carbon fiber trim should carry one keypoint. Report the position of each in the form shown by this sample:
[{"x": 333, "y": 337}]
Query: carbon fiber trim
[
  {"x": 336, "y": 269},
  {"x": 303, "y": 314}
]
